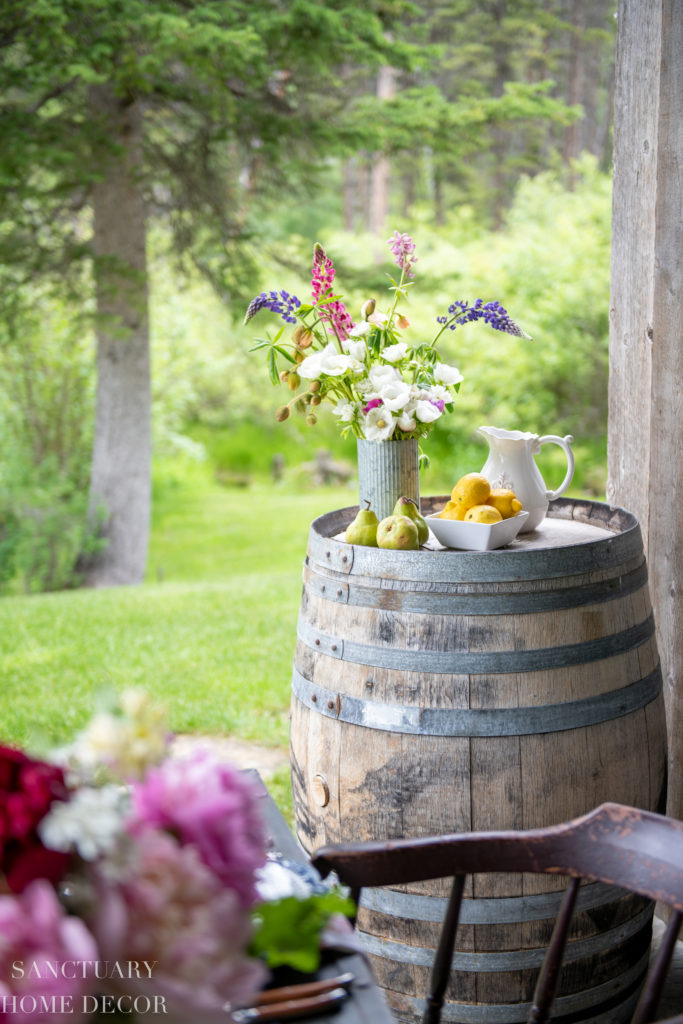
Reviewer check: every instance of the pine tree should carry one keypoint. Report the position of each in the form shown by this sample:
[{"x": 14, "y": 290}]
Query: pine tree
[{"x": 115, "y": 113}]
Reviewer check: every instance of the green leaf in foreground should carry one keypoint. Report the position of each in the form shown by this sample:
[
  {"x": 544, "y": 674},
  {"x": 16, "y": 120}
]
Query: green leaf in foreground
[{"x": 287, "y": 931}]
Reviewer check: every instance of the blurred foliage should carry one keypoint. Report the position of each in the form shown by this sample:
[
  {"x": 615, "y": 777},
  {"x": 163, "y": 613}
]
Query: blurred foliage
[{"x": 46, "y": 403}]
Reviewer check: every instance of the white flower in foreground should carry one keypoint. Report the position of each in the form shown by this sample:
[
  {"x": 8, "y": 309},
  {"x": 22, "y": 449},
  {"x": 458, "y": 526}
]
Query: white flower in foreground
[
  {"x": 395, "y": 395},
  {"x": 378, "y": 424},
  {"x": 345, "y": 411},
  {"x": 356, "y": 349},
  {"x": 360, "y": 329},
  {"x": 90, "y": 823},
  {"x": 445, "y": 374},
  {"x": 394, "y": 353},
  {"x": 380, "y": 376},
  {"x": 426, "y": 411},
  {"x": 378, "y": 319}
]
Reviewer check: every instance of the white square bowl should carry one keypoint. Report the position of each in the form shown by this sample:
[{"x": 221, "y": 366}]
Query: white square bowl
[{"x": 455, "y": 533}]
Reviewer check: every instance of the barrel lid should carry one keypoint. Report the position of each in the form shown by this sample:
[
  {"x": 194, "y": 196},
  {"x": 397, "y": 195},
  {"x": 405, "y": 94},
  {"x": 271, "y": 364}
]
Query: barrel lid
[{"x": 577, "y": 536}]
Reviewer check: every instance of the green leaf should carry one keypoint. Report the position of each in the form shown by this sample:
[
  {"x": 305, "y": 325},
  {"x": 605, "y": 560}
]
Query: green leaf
[
  {"x": 272, "y": 367},
  {"x": 288, "y": 931}
]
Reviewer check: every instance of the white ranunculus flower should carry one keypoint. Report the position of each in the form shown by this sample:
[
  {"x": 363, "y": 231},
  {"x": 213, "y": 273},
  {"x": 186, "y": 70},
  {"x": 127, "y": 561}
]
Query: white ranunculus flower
[
  {"x": 360, "y": 329},
  {"x": 366, "y": 388},
  {"x": 329, "y": 361},
  {"x": 378, "y": 319},
  {"x": 440, "y": 393},
  {"x": 345, "y": 411},
  {"x": 445, "y": 374},
  {"x": 406, "y": 421},
  {"x": 426, "y": 411},
  {"x": 378, "y": 424},
  {"x": 335, "y": 363},
  {"x": 380, "y": 376},
  {"x": 311, "y": 367},
  {"x": 356, "y": 349},
  {"x": 394, "y": 353},
  {"x": 395, "y": 395}
]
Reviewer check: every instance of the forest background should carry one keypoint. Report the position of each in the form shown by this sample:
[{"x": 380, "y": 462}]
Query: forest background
[{"x": 482, "y": 129}]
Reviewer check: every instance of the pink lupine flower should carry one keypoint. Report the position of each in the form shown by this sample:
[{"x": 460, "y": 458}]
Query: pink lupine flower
[
  {"x": 403, "y": 248},
  {"x": 168, "y": 909},
  {"x": 36, "y": 938},
  {"x": 212, "y": 805},
  {"x": 321, "y": 284}
]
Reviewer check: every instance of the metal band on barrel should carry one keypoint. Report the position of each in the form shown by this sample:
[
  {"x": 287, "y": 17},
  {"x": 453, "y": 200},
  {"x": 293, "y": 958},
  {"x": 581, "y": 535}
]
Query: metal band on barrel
[
  {"x": 485, "y": 910},
  {"x": 510, "y": 960},
  {"x": 476, "y": 601},
  {"x": 518, "y": 1013},
  {"x": 476, "y": 662},
  {"x": 469, "y": 722}
]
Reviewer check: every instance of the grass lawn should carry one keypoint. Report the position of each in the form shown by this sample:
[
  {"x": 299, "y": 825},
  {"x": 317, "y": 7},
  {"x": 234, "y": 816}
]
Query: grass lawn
[{"x": 211, "y": 634}]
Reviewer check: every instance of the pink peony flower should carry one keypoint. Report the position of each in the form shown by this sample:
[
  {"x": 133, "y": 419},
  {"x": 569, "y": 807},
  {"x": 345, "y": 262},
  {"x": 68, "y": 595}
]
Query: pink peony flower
[
  {"x": 36, "y": 939},
  {"x": 27, "y": 790},
  {"x": 212, "y": 805},
  {"x": 171, "y": 911}
]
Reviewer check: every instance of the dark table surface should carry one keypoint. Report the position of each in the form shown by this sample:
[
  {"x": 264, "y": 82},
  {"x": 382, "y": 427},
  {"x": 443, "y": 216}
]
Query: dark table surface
[{"x": 366, "y": 1003}]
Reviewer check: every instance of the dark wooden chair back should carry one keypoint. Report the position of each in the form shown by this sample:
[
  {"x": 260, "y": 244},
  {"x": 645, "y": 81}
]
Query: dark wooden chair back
[{"x": 635, "y": 850}]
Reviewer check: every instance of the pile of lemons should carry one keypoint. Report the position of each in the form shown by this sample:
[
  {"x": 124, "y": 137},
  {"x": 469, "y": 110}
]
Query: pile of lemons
[{"x": 475, "y": 501}]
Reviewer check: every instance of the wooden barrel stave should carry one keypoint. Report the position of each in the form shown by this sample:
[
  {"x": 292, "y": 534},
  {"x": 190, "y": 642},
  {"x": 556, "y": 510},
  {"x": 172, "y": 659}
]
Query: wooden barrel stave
[{"x": 420, "y": 718}]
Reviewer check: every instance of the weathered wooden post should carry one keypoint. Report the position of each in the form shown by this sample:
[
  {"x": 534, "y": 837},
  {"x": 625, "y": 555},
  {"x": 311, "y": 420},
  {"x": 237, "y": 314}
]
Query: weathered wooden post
[{"x": 646, "y": 322}]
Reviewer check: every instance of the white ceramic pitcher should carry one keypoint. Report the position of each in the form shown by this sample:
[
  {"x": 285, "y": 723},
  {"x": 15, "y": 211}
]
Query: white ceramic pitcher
[{"x": 511, "y": 464}]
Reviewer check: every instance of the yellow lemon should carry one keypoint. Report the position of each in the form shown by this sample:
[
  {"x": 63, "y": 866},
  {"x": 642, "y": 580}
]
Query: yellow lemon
[
  {"x": 453, "y": 511},
  {"x": 483, "y": 514},
  {"x": 471, "y": 489},
  {"x": 505, "y": 501}
]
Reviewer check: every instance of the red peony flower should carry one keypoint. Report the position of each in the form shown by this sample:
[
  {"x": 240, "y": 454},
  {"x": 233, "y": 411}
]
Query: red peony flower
[{"x": 27, "y": 790}]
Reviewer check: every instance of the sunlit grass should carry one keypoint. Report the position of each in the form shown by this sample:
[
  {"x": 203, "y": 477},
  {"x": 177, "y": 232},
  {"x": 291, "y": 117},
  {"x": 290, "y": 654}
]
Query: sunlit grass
[{"x": 211, "y": 634}]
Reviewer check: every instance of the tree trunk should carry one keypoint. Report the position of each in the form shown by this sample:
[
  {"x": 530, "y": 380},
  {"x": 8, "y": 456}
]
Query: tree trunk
[
  {"x": 379, "y": 178},
  {"x": 120, "y": 490},
  {"x": 571, "y": 148},
  {"x": 646, "y": 314}
]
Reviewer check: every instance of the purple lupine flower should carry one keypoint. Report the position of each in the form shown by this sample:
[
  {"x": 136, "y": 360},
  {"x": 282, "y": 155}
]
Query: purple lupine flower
[
  {"x": 492, "y": 313},
  {"x": 281, "y": 303},
  {"x": 403, "y": 248},
  {"x": 439, "y": 403}
]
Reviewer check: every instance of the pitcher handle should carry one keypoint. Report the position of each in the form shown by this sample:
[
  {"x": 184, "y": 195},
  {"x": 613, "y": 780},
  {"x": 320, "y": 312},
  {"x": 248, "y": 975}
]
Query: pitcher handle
[{"x": 564, "y": 443}]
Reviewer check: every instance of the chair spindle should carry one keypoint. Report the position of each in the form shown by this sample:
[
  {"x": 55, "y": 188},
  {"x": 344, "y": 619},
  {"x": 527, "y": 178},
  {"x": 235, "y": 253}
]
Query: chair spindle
[
  {"x": 546, "y": 985},
  {"x": 651, "y": 994},
  {"x": 441, "y": 968}
]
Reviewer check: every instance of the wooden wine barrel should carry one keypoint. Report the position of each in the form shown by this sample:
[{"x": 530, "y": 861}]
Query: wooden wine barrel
[{"x": 444, "y": 691}]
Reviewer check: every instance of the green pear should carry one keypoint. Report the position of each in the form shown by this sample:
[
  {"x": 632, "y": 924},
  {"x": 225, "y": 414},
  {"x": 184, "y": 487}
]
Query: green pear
[
  {"x": 407, "y": 507},
  {"x": 363, "y": 529},
  {"x": 398, "y": 533}
]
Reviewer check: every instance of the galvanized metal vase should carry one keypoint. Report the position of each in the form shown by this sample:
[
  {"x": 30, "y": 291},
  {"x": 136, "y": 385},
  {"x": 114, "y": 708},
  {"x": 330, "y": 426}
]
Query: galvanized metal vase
[{"x": 387, "y": 470}]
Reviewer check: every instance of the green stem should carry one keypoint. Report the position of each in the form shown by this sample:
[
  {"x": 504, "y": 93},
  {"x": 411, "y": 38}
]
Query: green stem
[{"x": 398, "y": 292}]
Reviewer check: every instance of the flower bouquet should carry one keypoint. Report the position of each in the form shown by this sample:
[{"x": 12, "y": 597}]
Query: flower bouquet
[
  {"x": 135, "y": 882},
  {"x": 382, "y": 387}
]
